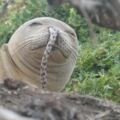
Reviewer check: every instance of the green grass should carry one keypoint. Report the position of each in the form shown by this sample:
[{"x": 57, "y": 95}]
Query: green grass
[{"x": 97, "y": 71}]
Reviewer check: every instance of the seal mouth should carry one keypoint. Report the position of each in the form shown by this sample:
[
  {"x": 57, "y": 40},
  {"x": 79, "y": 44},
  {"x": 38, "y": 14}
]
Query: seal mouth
[{"x": 55, "y": 49}]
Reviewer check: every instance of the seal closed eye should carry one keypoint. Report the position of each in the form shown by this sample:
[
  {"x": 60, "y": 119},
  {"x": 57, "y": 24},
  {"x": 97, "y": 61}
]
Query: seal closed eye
[
  {"x": 24, "y": 52},
  {"x": 35, "y": 24}
]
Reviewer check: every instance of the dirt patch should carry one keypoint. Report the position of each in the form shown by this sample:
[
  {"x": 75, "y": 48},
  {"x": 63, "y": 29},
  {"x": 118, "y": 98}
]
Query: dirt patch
[{"x": 30, "y": 102}]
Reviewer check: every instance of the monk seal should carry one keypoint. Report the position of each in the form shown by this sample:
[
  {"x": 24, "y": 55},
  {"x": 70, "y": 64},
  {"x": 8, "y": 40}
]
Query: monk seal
[{"x": 20, "y": 58}]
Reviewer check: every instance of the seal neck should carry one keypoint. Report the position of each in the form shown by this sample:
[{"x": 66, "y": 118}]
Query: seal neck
[{"x": 8, "y": 69}]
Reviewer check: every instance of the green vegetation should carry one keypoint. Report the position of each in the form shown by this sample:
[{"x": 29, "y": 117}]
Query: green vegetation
[{"x": 97, "y": 71}]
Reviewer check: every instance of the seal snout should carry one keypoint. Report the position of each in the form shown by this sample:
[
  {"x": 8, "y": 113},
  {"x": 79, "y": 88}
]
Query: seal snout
[{"x": 40, "y": 39}]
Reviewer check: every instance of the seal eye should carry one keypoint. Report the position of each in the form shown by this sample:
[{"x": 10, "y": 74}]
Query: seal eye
[
  {"x": 70, "y": 32},
  {"x": 35, "y": 24}
]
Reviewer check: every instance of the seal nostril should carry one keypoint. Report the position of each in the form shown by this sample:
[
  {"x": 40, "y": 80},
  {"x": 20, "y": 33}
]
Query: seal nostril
[
  {"x": 57, "y": 42},
  {"x": 53, "y": 49}
]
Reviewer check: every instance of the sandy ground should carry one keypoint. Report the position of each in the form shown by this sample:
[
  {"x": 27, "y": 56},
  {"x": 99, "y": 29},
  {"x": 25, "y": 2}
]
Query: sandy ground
[{"x": 32, "y": 103}]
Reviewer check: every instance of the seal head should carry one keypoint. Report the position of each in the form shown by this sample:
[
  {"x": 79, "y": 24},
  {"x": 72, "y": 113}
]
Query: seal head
[{"x": 28, "y": 43}]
